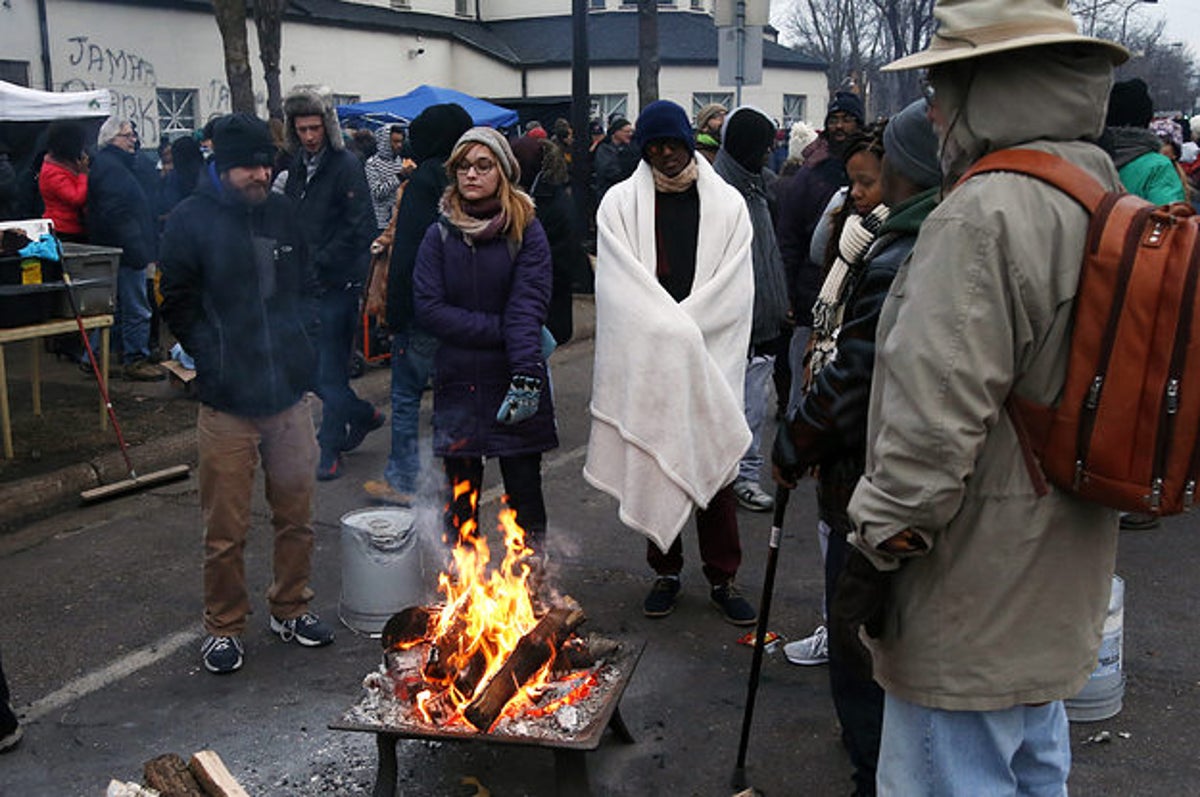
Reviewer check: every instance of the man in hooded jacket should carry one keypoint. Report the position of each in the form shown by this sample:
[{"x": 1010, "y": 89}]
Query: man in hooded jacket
[
  {"x": 333, "y": 203},
  {"x": 748, "y": 136},
  {"x": 386, "y": 170},
  {"x": 992, "y": 598},
  {"x": 432, "y": 136}
]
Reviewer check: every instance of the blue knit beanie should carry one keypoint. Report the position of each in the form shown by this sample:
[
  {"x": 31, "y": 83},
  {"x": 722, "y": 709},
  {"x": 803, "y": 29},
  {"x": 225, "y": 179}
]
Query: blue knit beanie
[
  {"x": 663, "y": 119},
  {"x": 848, "y": 103}
]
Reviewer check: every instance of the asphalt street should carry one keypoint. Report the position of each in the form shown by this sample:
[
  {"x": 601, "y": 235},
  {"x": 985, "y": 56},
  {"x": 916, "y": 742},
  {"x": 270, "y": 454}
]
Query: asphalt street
[{"x": 100, "y": 638}]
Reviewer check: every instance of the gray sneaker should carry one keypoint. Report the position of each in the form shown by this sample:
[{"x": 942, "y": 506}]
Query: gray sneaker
[
  {"x": 811, "y": 651},
  {"x": 752, "y": 497}
]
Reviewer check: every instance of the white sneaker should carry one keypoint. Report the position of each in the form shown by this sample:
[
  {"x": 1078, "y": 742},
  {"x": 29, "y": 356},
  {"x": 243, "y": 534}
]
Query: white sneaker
[
  {"x": 752, "y": 497},
  {"x": 810, "y": 651}
]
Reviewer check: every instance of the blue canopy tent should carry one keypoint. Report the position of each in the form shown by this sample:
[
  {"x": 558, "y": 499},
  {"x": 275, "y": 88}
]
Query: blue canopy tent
[{"x": 405, "y": 108}]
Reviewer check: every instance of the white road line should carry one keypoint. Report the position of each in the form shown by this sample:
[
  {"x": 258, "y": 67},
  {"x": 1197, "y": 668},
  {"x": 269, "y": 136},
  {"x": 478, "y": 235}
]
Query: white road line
[
  {"x": 168, "y": 645},
  {"x": 551, "y": 463},
  {"x": 119, "y": 669}
]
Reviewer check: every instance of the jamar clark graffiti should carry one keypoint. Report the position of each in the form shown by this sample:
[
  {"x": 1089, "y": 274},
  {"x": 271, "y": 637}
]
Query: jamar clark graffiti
[
  {"x": 114, "y": 65},
  {"x": 141, "y": 110}
]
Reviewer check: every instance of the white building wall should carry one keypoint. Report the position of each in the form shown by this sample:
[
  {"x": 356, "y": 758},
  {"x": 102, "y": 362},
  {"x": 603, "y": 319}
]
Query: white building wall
[
  {"x": 680, "y": 82},
  {"x": 492, "y": 10},
  {"x": 135, "y": 51},
  {"x": 19, "y": 38}
]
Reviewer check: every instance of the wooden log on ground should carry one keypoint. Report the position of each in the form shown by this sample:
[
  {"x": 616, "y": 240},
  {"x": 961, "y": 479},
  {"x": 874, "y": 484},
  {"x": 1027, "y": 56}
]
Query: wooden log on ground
[
  {"x": 169, "y": 775},
  {"x": 529, "y": 656},
  {"x": 215, "y": 779}
]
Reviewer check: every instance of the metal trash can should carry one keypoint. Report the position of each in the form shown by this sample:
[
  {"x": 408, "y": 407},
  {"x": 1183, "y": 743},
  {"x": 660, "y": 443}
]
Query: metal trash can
[{"x": 381, "y": 567}]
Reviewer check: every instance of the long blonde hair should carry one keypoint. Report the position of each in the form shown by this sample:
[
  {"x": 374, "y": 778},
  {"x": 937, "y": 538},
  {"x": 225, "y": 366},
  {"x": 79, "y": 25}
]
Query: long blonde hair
[{"x": 517, "y": 205}]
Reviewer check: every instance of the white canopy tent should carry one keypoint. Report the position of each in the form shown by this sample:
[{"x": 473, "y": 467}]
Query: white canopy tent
[{"x": 19, "y": 104}]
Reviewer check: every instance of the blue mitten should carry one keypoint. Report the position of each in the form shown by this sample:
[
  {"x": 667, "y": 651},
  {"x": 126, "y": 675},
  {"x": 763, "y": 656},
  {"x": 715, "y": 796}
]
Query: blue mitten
[{"x": 521, "y": 402}]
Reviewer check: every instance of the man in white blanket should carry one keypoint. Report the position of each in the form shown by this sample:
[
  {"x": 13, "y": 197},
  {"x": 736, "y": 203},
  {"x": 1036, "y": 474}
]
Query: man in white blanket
[{"x": 674, "y": 302}]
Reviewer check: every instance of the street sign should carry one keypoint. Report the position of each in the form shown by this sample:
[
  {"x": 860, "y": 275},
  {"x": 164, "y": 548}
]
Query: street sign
[
  {"x": 727, "y": 56},
  {"x": 758, "y": 12}
]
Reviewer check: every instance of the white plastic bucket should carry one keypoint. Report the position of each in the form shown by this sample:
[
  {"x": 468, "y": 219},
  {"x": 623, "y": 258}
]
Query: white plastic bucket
[
  {"x": 381, "y": 567},
  {"x": 1101, "y": 696}
]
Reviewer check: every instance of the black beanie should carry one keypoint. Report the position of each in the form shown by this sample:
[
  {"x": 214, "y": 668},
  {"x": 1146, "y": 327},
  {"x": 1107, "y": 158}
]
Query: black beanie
[
  {"x": 747, "y": 136},
  {"x": 660, "y": 120},
  {"x": 437, "y": 129},
  {"x": 242, "y": 140},
  {"x": 848, "y": 103},
  {"x": 1129, "y": 104}
]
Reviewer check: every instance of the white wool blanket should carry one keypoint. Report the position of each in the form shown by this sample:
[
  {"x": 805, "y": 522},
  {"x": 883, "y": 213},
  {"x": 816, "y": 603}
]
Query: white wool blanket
[{"x": 668, "y": 427}]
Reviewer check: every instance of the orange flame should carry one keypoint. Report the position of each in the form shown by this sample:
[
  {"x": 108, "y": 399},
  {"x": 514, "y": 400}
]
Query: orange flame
[{"x": 487, "y": 610}]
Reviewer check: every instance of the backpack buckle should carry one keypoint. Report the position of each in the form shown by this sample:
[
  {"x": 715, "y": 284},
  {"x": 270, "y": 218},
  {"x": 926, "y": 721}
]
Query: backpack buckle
[{"x": 1189, "y": 494}]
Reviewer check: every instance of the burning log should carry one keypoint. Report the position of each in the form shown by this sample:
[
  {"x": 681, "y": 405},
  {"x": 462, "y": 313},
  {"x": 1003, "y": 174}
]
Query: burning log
[{"x": 531, "y": 654}]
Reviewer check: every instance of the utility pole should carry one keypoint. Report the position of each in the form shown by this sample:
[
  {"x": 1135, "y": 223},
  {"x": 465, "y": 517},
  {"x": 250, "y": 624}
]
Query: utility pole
[{"x": 581, "y": 108}]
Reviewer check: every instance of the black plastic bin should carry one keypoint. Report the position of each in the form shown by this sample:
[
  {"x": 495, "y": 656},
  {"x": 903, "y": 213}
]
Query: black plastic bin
[{"x": 30, "y": 290}]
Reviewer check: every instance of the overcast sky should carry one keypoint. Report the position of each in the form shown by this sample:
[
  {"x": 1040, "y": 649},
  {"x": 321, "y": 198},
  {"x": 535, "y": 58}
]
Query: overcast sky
[
  {"x": 1182, "y": 16},
  {"x": 1183, "y": 21}
]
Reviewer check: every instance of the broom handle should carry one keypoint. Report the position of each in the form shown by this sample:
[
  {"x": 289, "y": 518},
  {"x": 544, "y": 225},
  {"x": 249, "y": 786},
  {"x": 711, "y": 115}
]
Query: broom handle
[{"x": 87, "y": 344}]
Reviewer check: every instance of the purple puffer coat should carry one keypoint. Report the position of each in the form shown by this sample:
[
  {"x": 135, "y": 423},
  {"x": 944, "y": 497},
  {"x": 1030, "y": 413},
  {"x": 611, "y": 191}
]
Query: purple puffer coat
[{"x": 486, "y": 310}]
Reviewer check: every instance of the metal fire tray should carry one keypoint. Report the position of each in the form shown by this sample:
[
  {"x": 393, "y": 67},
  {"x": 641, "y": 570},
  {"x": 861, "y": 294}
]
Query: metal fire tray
[{"x": 569, "y": 748}]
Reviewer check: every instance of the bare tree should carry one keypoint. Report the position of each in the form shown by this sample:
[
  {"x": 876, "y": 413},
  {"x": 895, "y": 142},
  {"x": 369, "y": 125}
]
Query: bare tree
[
  {"x": 857, "y": 38},
  {"x": 231, "y": 21},
  {"x": 647, "y": 79},
  {"x": 268, "y": 24}
]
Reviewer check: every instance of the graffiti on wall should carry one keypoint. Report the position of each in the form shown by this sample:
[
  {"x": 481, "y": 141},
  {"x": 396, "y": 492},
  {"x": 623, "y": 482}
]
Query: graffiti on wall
[
  {"x": 140, "y": 108},
  {"x": 105, "y": 63},
  {"x": 133, "y": 83}
]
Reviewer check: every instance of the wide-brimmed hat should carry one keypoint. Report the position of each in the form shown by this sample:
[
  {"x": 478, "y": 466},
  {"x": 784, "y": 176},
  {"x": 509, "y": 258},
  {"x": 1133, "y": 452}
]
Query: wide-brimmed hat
[{"x": 974, "y": 28}]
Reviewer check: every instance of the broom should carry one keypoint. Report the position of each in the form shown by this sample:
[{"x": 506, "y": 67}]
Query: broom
[{"x": 134, "y": 481}]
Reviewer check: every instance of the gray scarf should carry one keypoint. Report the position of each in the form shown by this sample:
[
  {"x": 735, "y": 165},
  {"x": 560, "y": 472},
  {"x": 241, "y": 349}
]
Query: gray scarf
[{"x": 770, "y": 287}]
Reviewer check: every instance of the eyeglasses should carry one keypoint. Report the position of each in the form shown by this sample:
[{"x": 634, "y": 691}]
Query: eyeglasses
[
  {"x": 482, "y": 166},
  {"x": 130, "y": 134}
]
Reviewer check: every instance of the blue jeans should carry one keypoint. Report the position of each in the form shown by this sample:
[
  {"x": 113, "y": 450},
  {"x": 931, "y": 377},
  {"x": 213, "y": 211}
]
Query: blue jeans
[
  {"x": 1024, "y": 751},
  {"x": 339, "y": 317},
  {"x": 133, "y": 314},
  {"x": 412, "y": 363}
]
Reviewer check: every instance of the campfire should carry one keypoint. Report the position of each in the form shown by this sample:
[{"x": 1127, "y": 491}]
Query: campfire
[{"x": 499, "y": 655}]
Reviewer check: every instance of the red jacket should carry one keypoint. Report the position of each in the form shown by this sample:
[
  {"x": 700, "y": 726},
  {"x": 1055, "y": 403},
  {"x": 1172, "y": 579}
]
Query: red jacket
[{"x": 64, "y": 192}]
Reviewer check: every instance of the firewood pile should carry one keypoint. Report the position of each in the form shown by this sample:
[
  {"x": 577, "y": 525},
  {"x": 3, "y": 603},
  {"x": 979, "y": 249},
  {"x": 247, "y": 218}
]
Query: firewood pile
[{"x": 204, "y": 775}]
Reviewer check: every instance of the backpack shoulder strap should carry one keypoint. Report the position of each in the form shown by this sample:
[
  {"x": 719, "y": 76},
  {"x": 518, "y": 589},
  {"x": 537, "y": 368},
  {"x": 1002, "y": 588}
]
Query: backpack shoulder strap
[{"x": 1058, "y": 172}]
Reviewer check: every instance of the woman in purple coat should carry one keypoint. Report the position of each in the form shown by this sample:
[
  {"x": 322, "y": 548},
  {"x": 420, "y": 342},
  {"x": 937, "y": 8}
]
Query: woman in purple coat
[{"x": 482, "y": 286}]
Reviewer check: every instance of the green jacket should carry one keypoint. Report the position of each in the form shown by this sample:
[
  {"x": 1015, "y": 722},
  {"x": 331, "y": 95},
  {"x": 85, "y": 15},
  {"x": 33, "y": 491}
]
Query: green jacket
[{"x": 1153, "y": 177}]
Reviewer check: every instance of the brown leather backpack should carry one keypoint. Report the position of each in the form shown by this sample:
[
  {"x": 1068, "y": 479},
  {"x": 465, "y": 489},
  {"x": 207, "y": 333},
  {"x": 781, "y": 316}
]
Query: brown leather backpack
[{"x": 1125, "y": 431}]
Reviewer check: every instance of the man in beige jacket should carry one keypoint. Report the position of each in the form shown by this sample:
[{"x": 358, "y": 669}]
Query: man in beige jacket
[{"x": 995, "y": 598}]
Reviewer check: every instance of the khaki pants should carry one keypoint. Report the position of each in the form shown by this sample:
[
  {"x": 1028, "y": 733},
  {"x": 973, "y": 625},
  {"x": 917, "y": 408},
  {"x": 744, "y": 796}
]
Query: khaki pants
[{"x": 230, "y": 449}]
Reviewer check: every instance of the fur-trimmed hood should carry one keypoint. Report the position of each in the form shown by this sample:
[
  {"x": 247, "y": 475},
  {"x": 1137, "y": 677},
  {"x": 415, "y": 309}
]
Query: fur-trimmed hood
[{"x": 312, "y": 101}]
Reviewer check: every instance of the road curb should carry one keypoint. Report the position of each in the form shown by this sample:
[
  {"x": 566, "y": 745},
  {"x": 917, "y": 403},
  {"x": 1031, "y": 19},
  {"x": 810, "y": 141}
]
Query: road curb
[{"x": 37, "y": 496}]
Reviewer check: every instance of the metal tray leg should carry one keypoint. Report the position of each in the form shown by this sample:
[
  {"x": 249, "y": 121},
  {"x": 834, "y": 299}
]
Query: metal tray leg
[
  {"x": 617, "y": 723},
  {"x": 571, "y": 773},
  {"x": 385, "y": 775}
]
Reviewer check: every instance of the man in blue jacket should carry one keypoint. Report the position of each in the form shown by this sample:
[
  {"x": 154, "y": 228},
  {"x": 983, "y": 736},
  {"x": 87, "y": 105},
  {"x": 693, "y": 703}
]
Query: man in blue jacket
[
  {"x": 333, "y": 203},
  {"x": 120, "y": 214},
  {"x": 240, "y": 294}
]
